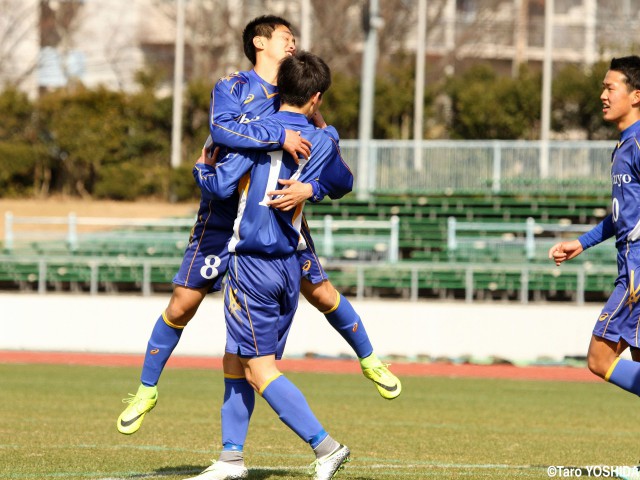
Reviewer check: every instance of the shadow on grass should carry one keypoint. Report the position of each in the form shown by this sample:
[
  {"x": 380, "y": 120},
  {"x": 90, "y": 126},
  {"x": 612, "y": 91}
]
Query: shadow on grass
[{"x": 254, "y": 473}]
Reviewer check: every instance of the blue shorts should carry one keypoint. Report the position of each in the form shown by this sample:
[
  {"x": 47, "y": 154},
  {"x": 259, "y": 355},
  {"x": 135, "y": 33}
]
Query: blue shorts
[
  {"x": 619, "y": 318},
  {"x": 309, "y": 264},
  {"x": 205, "y": 261},
  {"x": 260, "y": 299}
]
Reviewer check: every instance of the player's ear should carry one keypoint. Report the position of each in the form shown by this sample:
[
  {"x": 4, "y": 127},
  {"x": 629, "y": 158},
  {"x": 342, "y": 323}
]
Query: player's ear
[{"x": 258, "y": 42}]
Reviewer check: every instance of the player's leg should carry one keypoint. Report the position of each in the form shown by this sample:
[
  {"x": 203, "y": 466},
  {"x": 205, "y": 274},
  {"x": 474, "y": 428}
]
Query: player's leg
[
  {"x": 199, "y": 274},
  {"x": 604, "y": 360},
  {"x": 164, "y": 338},
  {"x": 320, "y": 292},
  {"x": 237, "y": 407},
  {"x": 293, "y": 410},
  {"x": 617, "y": 327},
  {"x": 258, "y": 315}
]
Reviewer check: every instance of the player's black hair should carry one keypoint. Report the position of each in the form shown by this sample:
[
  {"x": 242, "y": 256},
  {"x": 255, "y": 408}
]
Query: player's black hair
[
  {"x": 300, "y": 77},
  {"x": 260, "y": 27},
  {"x": 630, "y": 68}
]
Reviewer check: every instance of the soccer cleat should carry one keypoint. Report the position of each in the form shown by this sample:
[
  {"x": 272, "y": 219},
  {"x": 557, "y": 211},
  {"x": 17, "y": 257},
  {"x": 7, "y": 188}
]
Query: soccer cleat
[
  {"x": 140, "y": 404},
  {"x": 326, "y": 467},
  {"x": 222, "y": 471},
  {"x": 387, "y": 383}
]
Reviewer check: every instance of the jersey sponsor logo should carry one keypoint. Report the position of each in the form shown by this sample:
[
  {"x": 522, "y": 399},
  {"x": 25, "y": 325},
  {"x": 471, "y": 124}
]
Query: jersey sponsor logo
[
  {"x": 619, "y": 178},
  {"x": 155, "y": 351},
  {"x": 634, "y": 293},
  {"x": 243, "y": 118},
  {"x": 233, "y": 305},
  {"x": 249, "y": 98},
  {"x": 306, "y": 266}
]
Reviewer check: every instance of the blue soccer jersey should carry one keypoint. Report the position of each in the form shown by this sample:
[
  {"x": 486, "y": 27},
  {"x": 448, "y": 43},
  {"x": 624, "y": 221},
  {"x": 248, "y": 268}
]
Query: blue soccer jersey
[
  {"x": 236, "y": 101},
  {"x": 618, "y": 319},
  {"x": 259, "y": 228},
  {"x": 262, "y": 291}
]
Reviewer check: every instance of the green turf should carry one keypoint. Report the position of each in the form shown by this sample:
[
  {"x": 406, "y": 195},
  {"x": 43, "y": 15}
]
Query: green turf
[{"x": 58, "y": 422}]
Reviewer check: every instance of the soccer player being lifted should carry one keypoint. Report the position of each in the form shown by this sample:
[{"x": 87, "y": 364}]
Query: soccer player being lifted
[
  {"x": 262, "y": 290},
  {"x": 239, "y": 103},
  {"x": 618, "y": 323}
]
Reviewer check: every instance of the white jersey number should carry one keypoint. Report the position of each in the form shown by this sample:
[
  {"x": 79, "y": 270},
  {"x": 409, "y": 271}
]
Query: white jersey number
[
  {"x": 274, "y": 174},
  {"x": 210, "y": 267}
]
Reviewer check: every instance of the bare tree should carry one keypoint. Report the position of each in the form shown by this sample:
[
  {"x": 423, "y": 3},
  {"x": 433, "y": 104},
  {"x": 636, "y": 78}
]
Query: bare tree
[{"x": 18, "y": 42}]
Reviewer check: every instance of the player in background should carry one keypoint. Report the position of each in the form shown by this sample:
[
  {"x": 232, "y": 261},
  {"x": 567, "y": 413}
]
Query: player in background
[
  {"x": 262, "y": 290},
  {"x": 618, "y": 323},
  {"x": 238, "y": 101}
]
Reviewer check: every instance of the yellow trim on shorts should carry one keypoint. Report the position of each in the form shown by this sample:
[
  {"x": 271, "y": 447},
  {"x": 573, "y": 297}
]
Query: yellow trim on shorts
[
  {"x": 268, "y": 382},
  {"x": 166, "y": 320},
  {"x": 335, "y": 306},
  {"x": 611, "y": 369}
]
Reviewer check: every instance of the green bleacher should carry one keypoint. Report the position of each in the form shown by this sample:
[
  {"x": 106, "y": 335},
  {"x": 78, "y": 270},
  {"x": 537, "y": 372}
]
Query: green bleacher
[{"x": 128, "y": 259}]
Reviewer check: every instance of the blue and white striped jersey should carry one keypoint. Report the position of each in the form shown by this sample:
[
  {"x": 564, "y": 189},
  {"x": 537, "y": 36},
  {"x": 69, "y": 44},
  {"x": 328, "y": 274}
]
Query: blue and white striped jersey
[{"x": 259, "y": 228}]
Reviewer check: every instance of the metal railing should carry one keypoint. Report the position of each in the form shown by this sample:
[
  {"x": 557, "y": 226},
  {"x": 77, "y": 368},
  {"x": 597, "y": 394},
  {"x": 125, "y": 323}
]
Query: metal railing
[{"x": 401, "y": 166}]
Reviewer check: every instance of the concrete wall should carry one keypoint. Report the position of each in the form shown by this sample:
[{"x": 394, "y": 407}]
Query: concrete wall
[{"x": 122, "y": 324}]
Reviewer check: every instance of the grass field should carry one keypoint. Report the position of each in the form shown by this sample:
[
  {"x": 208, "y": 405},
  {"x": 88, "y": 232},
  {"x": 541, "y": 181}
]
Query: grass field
[{"x": 58, "y": 422}]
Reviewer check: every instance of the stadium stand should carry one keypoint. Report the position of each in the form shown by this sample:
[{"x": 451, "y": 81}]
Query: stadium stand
[{"x": 356, "y": 239}]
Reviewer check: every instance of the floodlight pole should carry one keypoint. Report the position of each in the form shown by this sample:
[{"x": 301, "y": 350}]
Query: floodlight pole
[
  {"x": 367, "y": 90},
  {"x": 418, "y": 110},
  {"x": 545, "y": 124},
  {"x": 178, "y": 76},
  {"x": 305, "y": 24}
]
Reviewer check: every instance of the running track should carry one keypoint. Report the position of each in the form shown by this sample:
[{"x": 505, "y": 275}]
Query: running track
[{"x": 559, "y": 373}]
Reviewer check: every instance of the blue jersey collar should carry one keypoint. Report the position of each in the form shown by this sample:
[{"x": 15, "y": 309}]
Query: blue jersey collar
[
  {"x": 631, "y": 131},
  {"x": 293, "y": 118},
  {"x": 270, "y": 88}
]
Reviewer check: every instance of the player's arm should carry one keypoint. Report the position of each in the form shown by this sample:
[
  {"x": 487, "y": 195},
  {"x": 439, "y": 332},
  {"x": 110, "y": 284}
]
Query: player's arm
[
  {"x": 294, "y": 192},
  {"x": 329, "y": 170},
  {"x": 220, "y": 177},
  {"x": 335, "y": 178},
  {"x": 563, "y": 251},
  {"x": 225, "y": 129}
]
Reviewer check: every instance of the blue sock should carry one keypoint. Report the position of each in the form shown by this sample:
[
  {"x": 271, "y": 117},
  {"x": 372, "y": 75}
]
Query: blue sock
[
  {"x": 347, "y": 322},
  {"x": 163, "y": 340},
  {"x": 239, "y": 400},
  {"x": 292, "y": 408},
  {"x": 625, "y": 374}
]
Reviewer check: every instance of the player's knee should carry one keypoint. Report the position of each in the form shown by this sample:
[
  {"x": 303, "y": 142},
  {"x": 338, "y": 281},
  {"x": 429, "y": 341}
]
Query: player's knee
[
  {"x": 179, "y": 313},
  {"x": 323, "y": 297},
  {"x": 597, "y": 364}
]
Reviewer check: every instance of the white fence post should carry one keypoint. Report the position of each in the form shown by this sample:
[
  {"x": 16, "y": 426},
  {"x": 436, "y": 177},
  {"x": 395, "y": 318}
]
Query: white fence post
[
  {"x": 394, "y": 242},
  {"x": 8, "y": 231}
]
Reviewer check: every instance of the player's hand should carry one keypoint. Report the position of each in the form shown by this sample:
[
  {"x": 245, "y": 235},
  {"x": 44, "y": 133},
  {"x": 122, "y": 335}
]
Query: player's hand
[
  {"x": 294, "y": 193},
  {"x": 318, "y": 120},
  {"x": 208, "y": 159},
  {"x": 295, "y": 145},
  {"x": 563, "y": 251}
]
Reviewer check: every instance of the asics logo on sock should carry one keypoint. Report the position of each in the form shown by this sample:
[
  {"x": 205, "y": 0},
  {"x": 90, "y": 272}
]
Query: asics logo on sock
[
  {"x": 354, "y": 329},
  {"x": 388, "y": 388},
  {"x": 126, "y": 423},
  {"x": 154, "y": 351}
]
